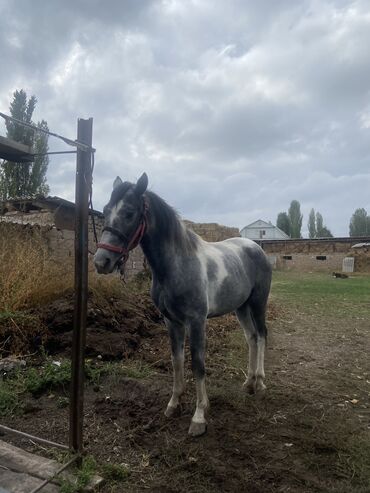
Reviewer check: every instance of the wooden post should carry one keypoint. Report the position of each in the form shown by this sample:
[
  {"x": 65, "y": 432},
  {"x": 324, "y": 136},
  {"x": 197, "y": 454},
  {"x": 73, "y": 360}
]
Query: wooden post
[{"x": 83, "y": 183}]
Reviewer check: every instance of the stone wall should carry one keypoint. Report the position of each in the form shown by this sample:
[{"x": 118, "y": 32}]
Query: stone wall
[
  {"x": 311, "y": 255},
  {"x": 41, "y": 218},
  {"x": 307, "y": 263},
  {"x": 60, "y": 241}
]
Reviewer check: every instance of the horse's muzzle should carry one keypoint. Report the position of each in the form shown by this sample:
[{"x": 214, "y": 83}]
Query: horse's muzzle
[{"x": 104, "y": 262}]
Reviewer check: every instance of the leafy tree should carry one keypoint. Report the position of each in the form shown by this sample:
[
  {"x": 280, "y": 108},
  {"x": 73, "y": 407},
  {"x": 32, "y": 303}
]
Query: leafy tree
[
  {"x": 295, "y": 218},
  {"x": 19, "y": 180},
  {"x": 325, "y": 233},
  {"x": 360, "y": 223},
  {"x": 283, "y": 222},
  {"x": 312, "y": 224}
]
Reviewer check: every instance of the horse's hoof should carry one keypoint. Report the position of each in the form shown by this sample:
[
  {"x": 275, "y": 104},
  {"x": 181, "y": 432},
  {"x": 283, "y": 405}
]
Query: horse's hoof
[
  {"x": 197, "y": 429},
  {"x": 170, "y": 411},
  {"x": 260, "y": 388},
  {"x": 250, "y": 387}
]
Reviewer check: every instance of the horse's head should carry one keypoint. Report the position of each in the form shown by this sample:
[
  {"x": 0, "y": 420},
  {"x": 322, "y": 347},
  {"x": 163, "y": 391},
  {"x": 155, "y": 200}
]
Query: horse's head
[{"x": 124, "y": 224}]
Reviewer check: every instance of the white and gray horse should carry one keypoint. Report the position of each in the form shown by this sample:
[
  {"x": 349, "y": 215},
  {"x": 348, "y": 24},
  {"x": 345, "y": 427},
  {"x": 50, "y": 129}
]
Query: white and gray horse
[{"x": 192, "y": 280}]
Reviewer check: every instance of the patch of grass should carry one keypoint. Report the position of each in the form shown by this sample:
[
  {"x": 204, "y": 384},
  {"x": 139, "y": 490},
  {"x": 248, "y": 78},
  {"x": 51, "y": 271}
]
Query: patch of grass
[
  {"x": 8, "y": 400},
  {"x": 322, "y": 293},
  {"x": 112, "y": 473},
  {"x": 56, "y": 375},
  {"x": 49, "y": 376},
  {"x": 62, "y": 402},
  {"x": 354, "y": 463},
  {"x": 115, "y": 472},
  {"x": 83, "y": 477},
  {"x": 136, "y": 369}
]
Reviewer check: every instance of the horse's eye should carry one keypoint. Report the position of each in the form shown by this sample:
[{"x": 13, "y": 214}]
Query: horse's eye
[{"x": 129, "y": 215}]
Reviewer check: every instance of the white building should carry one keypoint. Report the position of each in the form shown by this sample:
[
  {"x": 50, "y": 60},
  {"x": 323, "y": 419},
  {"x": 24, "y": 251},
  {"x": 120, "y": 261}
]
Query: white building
[{"x": 261, "y": 230}]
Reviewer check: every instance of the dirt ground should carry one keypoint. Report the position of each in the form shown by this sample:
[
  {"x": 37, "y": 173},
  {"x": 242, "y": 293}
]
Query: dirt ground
[{"x": 310, "y": 431}]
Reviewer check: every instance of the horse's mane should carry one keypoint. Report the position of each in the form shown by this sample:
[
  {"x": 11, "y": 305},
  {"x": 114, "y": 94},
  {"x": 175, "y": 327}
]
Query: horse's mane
[{"x": 169, "y": 225}]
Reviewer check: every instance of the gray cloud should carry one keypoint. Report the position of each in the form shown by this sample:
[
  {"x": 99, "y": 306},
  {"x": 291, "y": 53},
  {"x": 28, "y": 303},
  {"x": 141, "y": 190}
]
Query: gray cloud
[{"x": 233, "y": 108}]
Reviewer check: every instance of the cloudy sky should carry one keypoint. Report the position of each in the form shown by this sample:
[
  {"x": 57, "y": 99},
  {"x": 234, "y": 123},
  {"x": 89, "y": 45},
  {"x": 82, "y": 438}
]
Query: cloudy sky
[{"x": 233, "y": 108}]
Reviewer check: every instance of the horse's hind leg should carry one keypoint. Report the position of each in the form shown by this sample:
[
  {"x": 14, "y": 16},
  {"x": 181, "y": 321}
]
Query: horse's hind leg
[
  {"x": 177, "y": 336},
  {"x": 258, "y": 304},
  {"x": 251, "y": 316},
  {"x": 244, "y": 316}
]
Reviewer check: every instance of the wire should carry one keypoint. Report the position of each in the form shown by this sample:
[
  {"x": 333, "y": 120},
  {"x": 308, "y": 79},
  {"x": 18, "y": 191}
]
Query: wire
[
  {"x": 74, "y": 143},
  {"x": 53, "y": 152}
]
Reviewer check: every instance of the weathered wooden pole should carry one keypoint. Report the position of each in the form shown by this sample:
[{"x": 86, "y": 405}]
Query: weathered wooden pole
[{"x": 83, "y": 184}]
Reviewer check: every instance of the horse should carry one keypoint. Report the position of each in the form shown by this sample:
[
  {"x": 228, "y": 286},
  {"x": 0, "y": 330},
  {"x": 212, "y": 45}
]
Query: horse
[{"x": 192, "y": 280}]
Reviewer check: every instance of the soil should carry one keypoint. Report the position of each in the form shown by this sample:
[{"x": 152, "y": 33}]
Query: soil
[
  {"x": 115, "y": 326},
  {"x": 306, "y": 433}
]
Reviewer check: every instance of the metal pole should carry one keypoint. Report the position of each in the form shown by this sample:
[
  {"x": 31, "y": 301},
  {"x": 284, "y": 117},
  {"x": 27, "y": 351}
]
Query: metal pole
[
  {"x": 83, "y": 182},
  {"x": 6, "y": 429}
]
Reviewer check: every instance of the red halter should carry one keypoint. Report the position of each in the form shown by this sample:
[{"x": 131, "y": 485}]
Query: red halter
[{"x": 133, "y": 242}]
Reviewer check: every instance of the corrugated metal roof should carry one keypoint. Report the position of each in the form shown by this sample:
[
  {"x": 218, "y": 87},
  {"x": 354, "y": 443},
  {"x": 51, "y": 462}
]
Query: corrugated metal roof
[
  {"x": 14, "y": 151},
  {"x": 41, "y": 202}
]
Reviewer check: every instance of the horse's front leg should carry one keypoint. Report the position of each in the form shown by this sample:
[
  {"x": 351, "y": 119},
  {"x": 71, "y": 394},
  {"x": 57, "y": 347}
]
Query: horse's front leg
[
  {"x": 177, "y": 336},
  {"x": 198, "y": 424}
]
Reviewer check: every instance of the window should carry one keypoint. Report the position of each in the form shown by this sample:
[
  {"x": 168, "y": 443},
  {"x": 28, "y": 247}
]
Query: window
[
  {"x": 287, "y": 257},
  {"x": 320, "y": 257}
]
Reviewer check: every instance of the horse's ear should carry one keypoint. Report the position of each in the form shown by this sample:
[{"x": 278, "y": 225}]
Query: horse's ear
[
  {"x": 141, "y": 184},
  {"x": 117, "y": 182}
]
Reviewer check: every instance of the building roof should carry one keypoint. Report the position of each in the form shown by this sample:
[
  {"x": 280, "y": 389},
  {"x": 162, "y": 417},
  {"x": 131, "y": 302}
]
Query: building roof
[
  {"x": 260, "y": 223},
  {"x": 14, "y": 151},
  {"x": 38, "y": 203},
  {"x": 361, "y": 245}
]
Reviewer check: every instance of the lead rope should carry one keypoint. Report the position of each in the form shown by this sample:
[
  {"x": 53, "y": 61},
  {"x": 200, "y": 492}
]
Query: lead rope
[{"x": 90, "y": 200}]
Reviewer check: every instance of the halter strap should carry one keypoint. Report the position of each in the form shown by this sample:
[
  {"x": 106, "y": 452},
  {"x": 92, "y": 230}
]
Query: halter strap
[
  {"x": 117, "y": 233},
  {"x": 131, "y": 243}
]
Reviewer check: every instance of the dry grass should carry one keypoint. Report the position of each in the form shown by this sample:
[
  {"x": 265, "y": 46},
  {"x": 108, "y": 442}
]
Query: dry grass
[{"x": 28, "y": 275}]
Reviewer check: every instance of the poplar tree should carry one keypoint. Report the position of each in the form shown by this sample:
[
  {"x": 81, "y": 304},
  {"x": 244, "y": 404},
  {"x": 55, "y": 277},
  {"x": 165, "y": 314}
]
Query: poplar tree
[
  {"x": 25, "y": 180},
  {"x": 321, "y": 230},
  {"x": 295, "y": 218},
  {"x": 312, "y": 224}
]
